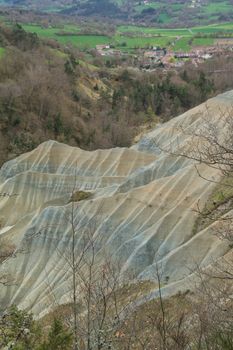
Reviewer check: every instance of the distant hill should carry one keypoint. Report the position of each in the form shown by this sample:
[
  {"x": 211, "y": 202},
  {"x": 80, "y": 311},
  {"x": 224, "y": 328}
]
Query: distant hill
[{"x": 154, "y": 12}]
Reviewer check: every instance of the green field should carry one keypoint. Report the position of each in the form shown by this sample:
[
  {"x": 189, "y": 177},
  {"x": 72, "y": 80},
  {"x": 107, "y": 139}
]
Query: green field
[
  {"x": 2, "y": 51},
  {"x": 176, "y": 32},
  {"x": 84, "y": 41},
  {"x": 167, "y": 12},
  {"x": 71, "y": 35},
  {"x": 214, "y": 7},
  {"x": 132, "y": 37}
]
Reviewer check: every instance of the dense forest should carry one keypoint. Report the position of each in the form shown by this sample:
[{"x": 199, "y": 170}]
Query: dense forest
[
  {"x": 166, "y": 13},
  {"x": 97, "y": 8},
  {"x": 156, "y": 12}
]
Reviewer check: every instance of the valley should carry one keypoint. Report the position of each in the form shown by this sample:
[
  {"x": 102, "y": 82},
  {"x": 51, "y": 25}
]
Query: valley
[
  {"x": 137, "y": 46},
  {"x": 51, "y": 90},
  {"x": 152, "y": 12},
  {"x": 130, "y": 38}
]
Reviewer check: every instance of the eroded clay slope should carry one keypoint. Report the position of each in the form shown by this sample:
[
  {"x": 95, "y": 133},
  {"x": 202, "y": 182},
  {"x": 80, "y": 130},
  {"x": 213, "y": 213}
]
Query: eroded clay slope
[{"x": 140, "y": 210}]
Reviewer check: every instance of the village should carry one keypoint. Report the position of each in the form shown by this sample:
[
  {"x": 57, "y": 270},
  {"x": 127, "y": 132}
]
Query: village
[
  {"x": 147, "y": 59},
  {"x": 192, "y": 4}
]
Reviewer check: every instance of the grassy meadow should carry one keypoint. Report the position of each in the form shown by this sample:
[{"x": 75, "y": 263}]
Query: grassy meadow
[{"x": 132, "y": 37}]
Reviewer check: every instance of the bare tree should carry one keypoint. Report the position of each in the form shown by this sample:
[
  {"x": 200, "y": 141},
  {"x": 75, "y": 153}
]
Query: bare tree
[
  {"x": 211, "y": 143},
  {"x": 93, "y": 280}
]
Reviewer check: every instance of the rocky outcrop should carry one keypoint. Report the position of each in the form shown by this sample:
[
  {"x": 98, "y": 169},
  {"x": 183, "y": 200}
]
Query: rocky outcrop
[{"x": 140, "y": 206}]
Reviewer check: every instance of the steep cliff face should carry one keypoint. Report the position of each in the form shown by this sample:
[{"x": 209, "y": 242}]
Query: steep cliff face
[{"x": 140, "y": 208}]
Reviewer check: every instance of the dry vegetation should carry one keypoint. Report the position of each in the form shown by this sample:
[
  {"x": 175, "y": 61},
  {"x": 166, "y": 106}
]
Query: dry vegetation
[{"x": 52, "y": 92}]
